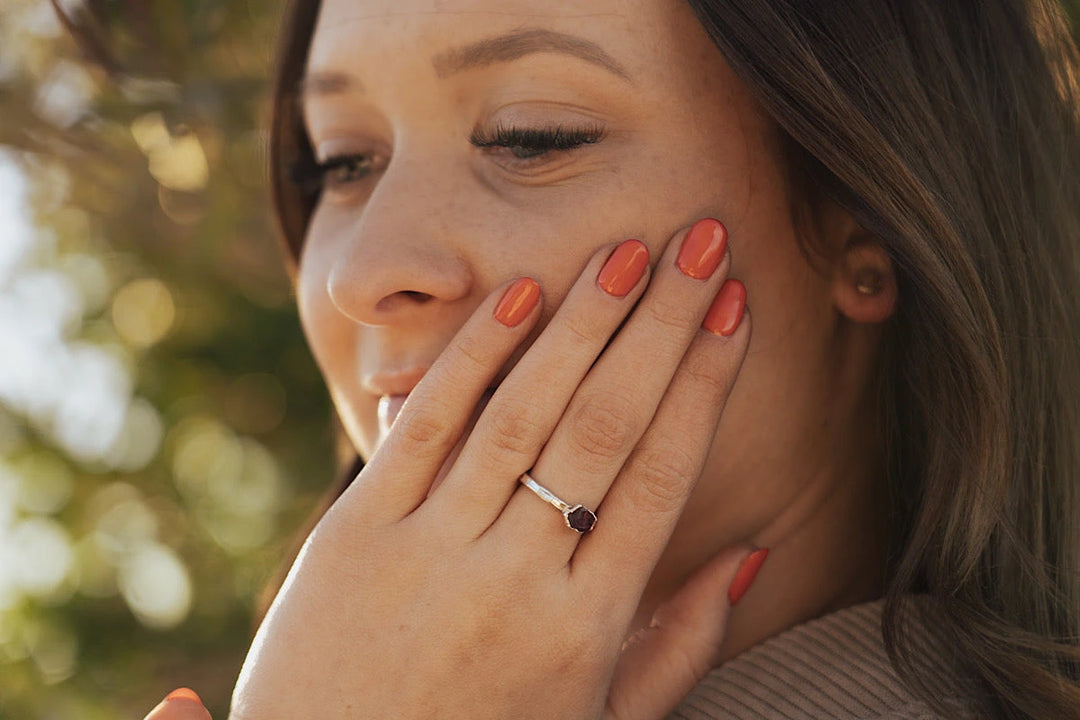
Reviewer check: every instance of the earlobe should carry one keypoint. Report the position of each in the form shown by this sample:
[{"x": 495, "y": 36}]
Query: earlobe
[{"x": 864, "y": 281}]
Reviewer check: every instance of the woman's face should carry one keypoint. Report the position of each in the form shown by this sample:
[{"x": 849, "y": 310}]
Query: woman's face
[{"x": 654, "y": 132}]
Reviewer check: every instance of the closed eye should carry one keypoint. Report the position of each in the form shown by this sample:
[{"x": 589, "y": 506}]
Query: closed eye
[
  {"x": 535, "y": 142},
  {"x": 335, "y": 172},
  {"x": 525, "y": 146}
]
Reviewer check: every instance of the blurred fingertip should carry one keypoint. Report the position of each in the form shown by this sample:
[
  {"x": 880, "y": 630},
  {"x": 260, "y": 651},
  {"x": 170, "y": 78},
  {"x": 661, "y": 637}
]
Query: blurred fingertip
[
  {"x": 180, "y": 704},
  {"x": 184, "y": 694}
]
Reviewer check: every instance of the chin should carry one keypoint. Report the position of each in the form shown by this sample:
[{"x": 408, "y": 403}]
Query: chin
[{"x": 362, "y": 434}]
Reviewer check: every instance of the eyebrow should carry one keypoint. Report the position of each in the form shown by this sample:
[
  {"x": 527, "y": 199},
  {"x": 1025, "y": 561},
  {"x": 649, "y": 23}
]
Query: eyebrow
[
  {"x": 326, "y": 83},
  {"x": 512, "y": 46},
  {"x": 502, "y": 48}
]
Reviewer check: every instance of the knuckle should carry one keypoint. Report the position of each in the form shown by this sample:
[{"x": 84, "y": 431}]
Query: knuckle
[
  {"x": 424, "y": 429},
  {"x": 471, "y": 354},
  {"x": 705, "y": 371},
  {"x": 671, "y": 314},
  {"x": 603, "y": 426},
  {"x": 513, "y": 425},
  {"x": 579, "y": 331},
  {"x": 662, "y": 477}
]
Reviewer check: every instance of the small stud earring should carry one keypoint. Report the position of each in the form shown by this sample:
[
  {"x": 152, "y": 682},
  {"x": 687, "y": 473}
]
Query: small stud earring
[{"x": 868, "y": 282}]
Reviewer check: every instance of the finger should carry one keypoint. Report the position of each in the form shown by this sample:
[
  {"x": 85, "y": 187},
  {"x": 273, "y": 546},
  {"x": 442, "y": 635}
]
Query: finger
[
  {"x": 616, "y": 402},
  {"x": 526, "y": 407},
  {"x": 661, "y": 664},
  {"x": 439, "y": 408},
  {"x": 180, "y": 704},
  {"x": 647, "y": 499}
]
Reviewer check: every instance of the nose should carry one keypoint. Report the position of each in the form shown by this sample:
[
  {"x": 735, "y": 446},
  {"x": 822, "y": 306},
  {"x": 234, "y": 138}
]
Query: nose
[{"x": 405, "y": 257}]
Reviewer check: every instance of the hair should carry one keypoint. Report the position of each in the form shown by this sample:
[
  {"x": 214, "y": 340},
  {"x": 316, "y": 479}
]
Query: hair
[{"x": 949, "y": 130}]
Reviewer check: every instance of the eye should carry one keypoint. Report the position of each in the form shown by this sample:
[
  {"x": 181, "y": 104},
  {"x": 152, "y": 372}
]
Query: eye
[
  {"x": 334, "y": 173},
  {"x": 344, "y": 170},
  {"x": 534, "y": 143}
]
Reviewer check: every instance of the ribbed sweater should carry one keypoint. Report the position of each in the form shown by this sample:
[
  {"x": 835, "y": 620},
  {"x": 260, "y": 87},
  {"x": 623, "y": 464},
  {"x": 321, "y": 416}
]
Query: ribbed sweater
[{"x": 832, "y": 668}]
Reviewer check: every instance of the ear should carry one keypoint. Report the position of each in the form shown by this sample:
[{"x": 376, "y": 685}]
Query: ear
[{"x": 864, "y": 285}]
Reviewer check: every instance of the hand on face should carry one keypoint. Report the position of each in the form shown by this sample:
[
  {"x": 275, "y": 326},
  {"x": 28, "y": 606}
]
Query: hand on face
[{"x": 474, "y": 599}]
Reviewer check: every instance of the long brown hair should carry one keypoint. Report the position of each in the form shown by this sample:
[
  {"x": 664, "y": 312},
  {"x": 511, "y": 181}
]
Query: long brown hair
[{"x": 950, "y": 131}]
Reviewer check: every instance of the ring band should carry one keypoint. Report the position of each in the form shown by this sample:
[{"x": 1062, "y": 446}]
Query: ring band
[{"x": 578, "y": 517}]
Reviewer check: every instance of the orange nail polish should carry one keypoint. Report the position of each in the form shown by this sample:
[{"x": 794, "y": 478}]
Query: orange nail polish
[
  {"x": 517, "y": 302},
  {"x": 702, "y": 249},
  {"x": 183, "y": 694},
  {"x": 623, "y": 268},
  {"x": 726, "y": 311},
  {"x": 745, "y": 575}
]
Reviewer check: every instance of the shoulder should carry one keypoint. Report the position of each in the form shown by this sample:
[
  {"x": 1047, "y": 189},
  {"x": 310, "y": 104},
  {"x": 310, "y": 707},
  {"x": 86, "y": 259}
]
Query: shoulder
[{"x": 832, "y": 668}]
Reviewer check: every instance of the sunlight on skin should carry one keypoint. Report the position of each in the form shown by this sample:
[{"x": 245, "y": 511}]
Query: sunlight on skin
[{"x": 767, "y": 480}]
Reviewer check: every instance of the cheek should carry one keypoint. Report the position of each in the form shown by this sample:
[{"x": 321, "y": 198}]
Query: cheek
[
  {"x": 335, "y": 342},
  {"x": 318, "y": 317}
]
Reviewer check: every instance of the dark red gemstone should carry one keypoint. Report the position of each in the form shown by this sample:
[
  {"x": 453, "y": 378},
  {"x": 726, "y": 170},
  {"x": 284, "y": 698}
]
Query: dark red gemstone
[{"x": 581, "y": 519}]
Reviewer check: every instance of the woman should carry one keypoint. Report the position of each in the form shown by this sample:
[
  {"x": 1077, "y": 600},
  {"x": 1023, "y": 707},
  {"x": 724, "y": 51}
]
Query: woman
[{"x": 895, "y": 188}]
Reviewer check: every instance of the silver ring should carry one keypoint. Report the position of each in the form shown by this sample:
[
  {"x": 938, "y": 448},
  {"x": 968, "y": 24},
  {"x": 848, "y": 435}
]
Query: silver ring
[{"x": 577, "y": 517}]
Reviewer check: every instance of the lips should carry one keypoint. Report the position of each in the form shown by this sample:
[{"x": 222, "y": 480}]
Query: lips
[
  {"x": 392, "y": 382},
  {"x": 389, "y": 407}
]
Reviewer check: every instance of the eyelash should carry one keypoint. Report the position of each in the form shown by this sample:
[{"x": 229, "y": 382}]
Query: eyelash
[
  {"x": 529, "y": 143},
  {"x": 312, "y": 177},
  {"x": 524, "y": 144}
]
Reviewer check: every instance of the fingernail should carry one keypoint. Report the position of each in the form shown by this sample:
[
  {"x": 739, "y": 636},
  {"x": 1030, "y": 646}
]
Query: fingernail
[
  {"x": 517, "y": 302},
  {"x": 726, "y": 311},
  {"x": 624, "y": 268},
  {"x": 746, "y": 574},
  {"x": 702, "y": 249},
  {"x": 183, "y": 694}
]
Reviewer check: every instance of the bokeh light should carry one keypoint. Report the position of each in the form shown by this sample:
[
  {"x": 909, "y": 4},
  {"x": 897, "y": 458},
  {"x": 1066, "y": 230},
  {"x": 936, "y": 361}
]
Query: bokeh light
[
  {"x": 64, "y": 96},
  {"x": 139, "y": 438},
  {"x": 46, "y": 484},
  {"x": 156, "y": 586},
  {"x": 54, "y": 650},
  {"x": 39, "y": 555},
  {"x": 177, "y": 161},
  {"x": 163, "y": 431},
  {"x": 143, "y": 312}
]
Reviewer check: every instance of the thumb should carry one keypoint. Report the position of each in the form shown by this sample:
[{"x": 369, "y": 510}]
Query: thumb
[
  {"x": 661, "y": 664},
  {"x": 181, "y": 704}
]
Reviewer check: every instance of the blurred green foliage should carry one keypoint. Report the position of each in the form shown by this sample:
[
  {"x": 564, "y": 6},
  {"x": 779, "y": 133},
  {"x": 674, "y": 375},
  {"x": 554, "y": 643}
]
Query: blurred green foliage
[{"x": 163, "y": 431}]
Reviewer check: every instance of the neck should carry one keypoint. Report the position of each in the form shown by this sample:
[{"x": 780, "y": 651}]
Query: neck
[
  {"x": 828, "y": 544},
  {"x": 819, "y": 506},
  {"x": 826, "y": 552}
]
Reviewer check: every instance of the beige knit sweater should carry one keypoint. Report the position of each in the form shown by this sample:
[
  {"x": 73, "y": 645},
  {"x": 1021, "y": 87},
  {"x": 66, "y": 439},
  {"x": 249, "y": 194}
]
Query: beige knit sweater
[{"x": 832, "y": 668}]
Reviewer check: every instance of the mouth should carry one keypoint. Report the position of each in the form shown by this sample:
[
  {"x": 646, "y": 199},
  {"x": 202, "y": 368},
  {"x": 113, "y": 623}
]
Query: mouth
[{"x": 389, "y": 407}]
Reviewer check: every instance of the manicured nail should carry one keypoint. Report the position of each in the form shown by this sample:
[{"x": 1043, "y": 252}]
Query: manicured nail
[
  {"x": 624, "y": 268},
  {"x": 746, "y": 574},
  {"x": 726, "y": 311},
  {"x": 183, "y": 694},
  {"x": 517, "y": 302},
  {"x": 702, "y": 249}
]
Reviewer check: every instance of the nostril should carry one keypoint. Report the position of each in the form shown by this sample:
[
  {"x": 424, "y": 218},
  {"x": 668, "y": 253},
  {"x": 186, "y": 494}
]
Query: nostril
[{"x": 403, "y": 298}]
